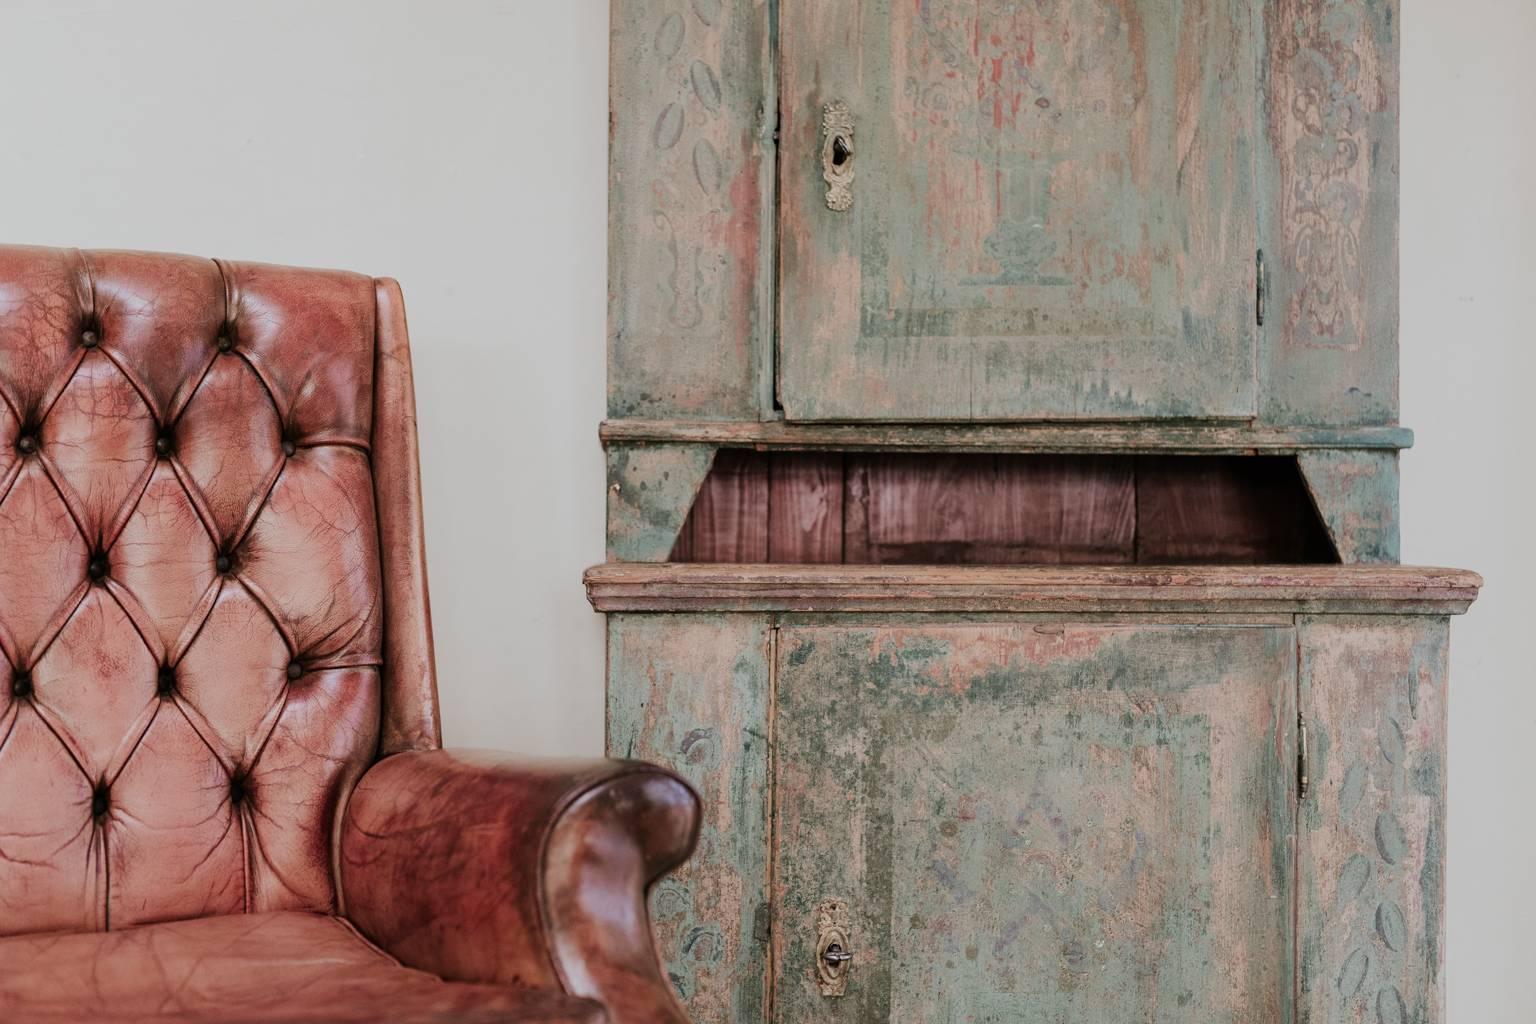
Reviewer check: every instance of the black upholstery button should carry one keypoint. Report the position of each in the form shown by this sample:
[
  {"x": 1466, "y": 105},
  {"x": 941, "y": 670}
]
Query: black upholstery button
[
  {"x": 26, "y": 444},
  {"x": 237, "y": 791},
  {"x": 289, "y": 448},
  {"x": 100, "y": 800},
  {"x": 223, "y": 564},
  {"x": 98, "y": 567},
  {"x": 89, "y": 339},
  {"x": 295, "y": 670},
  {"x": 225, "y": 343},
  {"x": 21, "y": 684},
  {"x": 164, "y": 446},
  {"x": 166, "y": 684}
]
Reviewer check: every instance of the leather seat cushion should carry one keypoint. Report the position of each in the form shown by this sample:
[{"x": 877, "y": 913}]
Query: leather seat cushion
[{"x": 285, "y": 966}]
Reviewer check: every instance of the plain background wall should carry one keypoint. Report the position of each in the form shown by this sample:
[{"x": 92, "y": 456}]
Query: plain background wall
[{"x": 461, "y": 147}]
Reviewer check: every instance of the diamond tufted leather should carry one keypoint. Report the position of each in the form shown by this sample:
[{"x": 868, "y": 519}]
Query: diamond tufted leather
[{"x": 214, "y": 620}]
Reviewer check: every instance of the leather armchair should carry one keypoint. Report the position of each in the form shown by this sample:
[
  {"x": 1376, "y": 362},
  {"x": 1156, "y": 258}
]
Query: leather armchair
[{"x": 222, "y": 793}]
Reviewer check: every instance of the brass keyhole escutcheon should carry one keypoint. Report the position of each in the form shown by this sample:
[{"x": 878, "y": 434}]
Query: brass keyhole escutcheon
[
  {"x": 834, "y": 958},
  {"x": 837, "y": 155}
]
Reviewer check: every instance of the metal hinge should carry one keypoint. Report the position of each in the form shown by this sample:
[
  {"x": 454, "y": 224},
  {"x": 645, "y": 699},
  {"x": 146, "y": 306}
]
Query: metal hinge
[
  {"x": 1260, "y": 288},
  {"x": 1303, "y": 767}
]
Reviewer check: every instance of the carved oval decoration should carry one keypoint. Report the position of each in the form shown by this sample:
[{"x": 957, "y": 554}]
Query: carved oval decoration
[
  {"x": 669, "y": 126},
  {"x": 706, "y": 166},
  {"x": 1353, "y": 787},
  {"x": 707, "y": 10},
  {"x": 1352, "y": 879},
  {"x": 1391, "y": 926},
  {"x": 1392, "y": 744},
  {"x": 1352, "y": 974},
  {"x": 706, "y": 85},
  {"x": 1391, "y": 842},
  {"x": 1389, "y": 1006},
  {"x": 669, "y": 36}
]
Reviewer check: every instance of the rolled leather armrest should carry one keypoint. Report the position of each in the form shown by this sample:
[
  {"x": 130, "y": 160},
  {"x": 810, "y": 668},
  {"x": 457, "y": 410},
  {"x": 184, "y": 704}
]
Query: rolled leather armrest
[{"x": 482, "y": 867}]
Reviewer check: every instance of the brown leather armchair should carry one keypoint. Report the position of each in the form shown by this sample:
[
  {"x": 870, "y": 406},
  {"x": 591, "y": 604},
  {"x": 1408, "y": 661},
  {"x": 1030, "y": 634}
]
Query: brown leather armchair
[{"x": 222, "y": 796}]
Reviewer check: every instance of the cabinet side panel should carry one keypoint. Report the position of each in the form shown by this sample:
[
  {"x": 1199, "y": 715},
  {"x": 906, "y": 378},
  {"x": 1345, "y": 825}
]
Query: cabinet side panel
[
  {"x": 650, "y": 489},
  {"x": 1372, "y": 832},
  {"x": 691, "y": 692},
  {"x": 690, "y": 208},
  {"x": 1356, "y": 494},
  {"x": 1329, "y": 222}
]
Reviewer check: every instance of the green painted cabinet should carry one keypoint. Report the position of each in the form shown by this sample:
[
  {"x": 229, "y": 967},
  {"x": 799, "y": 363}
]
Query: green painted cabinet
[
  {"x": 1046, "y": 796},
  {"x": 977, "y": 794},
  {"x": 1005, "y": 211}
]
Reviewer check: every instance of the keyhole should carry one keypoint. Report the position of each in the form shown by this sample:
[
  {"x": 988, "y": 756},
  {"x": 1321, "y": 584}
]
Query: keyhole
[{"x": 840, "y": 151}]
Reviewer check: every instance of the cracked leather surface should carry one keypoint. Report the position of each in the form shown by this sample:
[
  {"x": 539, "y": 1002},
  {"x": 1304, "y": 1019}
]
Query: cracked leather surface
[{"x": 213, "y": 622}]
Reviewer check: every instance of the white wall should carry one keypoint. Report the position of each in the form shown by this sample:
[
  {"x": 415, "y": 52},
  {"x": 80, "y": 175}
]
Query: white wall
[
  {"x": 460, "y": 146},
  {"x": 1469, "y": 357}
]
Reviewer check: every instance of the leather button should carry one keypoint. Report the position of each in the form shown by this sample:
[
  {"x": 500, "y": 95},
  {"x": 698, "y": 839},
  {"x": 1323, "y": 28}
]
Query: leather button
[
  {"x": 164, "y": 446},
  {"x": 295, "y": 670},
  {"x": 26, "y": 444},
  {"x": 21, "y": 684},
  {"x": 237, "y": 791},
  {"x": 225, "y": 343},
  {"x": 98, "y": 567},
  {"x": 101, "y": 800},
  {"x": 166, "y": 683},
  {"x": 223, "y": 564},
  {"x": 289, "y": 448},
  {"x": 89, "y": 339}
]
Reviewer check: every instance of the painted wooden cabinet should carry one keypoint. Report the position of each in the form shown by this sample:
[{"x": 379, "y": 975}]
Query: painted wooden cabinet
[
  {"x": 1074, "y": 297},
  {"x": 1005, "y": 210},
  {"x": 1042, "y": 795}
]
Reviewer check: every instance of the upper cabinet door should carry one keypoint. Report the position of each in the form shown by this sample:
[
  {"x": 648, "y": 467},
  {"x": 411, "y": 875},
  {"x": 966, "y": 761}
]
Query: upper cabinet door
[{"x": 1017, "y": 209}]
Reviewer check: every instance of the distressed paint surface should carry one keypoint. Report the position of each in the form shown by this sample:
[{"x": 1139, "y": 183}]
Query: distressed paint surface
[
  {"x": 1356, "y": 493},
  {"x": 1052, "y": 213},
  {"x": 650, "y": 488},
  {"x": 691, "y": 693},
  {"x": 1372, "y": 835},
  {"x": 691, "y": 190},
  {"x": 1329, "y": 178},
  {"x": 1167, "y": 438},
  {"x": 1037, "y": 822}
]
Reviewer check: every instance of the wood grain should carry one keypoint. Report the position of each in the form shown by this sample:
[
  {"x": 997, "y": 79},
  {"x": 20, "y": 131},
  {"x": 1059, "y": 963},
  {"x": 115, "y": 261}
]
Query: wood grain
[
  {"x": 729, "y": 518},
  {"x": 1006, "y": 509},
  {"x": 1001, "y": 510},
  {"x": 805, "y": 509},
  {"x": 1232, "y": 510}
]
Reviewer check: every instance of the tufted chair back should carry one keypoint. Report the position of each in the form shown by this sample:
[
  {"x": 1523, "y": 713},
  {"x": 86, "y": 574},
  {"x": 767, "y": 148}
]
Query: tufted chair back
[{"x": 213, "y": 611}]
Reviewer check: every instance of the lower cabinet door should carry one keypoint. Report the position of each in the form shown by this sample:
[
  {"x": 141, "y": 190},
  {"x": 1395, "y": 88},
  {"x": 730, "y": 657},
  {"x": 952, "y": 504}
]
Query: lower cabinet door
[{"x": 1033, "y": 822}]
